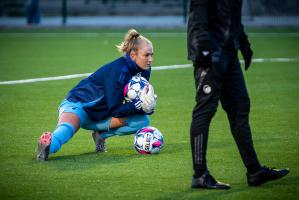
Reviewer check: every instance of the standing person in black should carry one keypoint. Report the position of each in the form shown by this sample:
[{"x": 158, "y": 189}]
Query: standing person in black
[{"x": 215, "y": 34}]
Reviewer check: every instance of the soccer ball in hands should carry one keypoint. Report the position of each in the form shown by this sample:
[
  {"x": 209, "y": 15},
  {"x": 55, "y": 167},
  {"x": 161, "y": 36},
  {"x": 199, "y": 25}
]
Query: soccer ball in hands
[
  {"x": 134, "y": 87},
  {"x": 148, "y": 140}
]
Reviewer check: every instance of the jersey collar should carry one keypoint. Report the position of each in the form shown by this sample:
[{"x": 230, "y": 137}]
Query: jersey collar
[{"x": 132, "y": 65}]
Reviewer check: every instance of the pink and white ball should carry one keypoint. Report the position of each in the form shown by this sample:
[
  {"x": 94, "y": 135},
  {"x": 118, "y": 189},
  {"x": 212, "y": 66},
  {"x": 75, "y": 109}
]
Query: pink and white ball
[
  {"x": 148, "y": 140},
  {"x": 134, "y": 87}
]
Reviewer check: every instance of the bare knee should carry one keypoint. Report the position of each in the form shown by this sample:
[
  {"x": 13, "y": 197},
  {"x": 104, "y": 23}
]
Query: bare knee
[
  {"x": 71, "y": 118},
  {"x": 117, "y": 122}
]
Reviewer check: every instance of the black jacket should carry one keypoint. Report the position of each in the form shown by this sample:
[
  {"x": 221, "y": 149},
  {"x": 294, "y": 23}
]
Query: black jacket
[{"x": 214, "y": 24}]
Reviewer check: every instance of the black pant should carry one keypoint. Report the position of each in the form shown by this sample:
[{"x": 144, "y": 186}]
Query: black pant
[{"x": 224, "y": 82}]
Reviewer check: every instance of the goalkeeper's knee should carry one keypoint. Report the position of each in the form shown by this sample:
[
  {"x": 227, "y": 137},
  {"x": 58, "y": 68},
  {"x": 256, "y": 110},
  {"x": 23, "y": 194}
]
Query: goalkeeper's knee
[
  {"x": 138, "y": 121},
  {"x": 133, "y": 124}
]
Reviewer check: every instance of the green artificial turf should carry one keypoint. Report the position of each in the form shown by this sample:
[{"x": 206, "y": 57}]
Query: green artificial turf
[{"x": 76, "y": 172}]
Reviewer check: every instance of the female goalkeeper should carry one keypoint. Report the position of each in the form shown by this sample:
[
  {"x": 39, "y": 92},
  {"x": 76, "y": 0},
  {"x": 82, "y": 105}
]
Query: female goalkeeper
[{"x": 96, "y": 103}]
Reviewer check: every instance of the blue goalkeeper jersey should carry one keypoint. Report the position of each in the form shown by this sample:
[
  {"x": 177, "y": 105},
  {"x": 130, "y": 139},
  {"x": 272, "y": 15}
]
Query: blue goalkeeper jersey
[{"x": 101, "y": 94}]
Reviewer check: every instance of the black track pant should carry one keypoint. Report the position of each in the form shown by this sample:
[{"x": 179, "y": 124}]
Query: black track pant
[{"x": 224, "y": 82}]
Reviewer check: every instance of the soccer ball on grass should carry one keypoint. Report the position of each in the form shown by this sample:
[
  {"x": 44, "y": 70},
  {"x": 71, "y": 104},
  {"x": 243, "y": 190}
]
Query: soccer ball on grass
[{"x": 148, "y": 140}]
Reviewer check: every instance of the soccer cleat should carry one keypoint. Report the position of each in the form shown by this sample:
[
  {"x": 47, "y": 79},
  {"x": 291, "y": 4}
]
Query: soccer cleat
[
  {"x": 264, "y": 175},
  {"x": 99, "y": 142},
  {"x": 43, "y": 146},
  {"x": 207, "y": 181}
]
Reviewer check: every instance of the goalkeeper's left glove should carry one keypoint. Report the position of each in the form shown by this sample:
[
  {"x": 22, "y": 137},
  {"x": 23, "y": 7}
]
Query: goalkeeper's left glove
[{"x": 149, "y": 100}]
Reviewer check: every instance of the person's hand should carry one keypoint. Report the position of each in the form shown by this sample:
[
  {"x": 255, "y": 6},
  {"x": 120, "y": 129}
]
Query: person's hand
[
  {"x": 204, "y": 59},
  {"x": 149, "y": 99},
  {"x": 247, "y": 55}
]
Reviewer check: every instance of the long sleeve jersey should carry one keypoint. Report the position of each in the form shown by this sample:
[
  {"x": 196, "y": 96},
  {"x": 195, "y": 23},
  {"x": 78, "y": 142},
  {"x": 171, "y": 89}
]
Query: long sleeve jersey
[
  {"x": 101, "y": 94},
  {"x": 213, "y": 24}
]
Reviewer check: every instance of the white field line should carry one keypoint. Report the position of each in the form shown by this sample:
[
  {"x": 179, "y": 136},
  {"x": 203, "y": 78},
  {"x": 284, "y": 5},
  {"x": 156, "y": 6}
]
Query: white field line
[
  {"x": 157, "y": 68},
  {"x": 53, "y": 78},
  {"x": 118, "y": 34},
  {"x": 88, "y": 35}
]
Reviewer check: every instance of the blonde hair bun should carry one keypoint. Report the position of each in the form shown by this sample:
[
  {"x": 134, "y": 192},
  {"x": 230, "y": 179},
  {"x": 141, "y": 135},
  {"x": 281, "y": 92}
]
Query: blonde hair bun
[{"x": 131, "y": 42}]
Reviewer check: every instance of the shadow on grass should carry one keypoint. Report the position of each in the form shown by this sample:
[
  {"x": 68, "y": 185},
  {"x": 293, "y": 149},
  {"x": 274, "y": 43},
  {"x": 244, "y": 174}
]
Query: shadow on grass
[
  {"x": 285, "y": 188},
  {"x": 115, "y": 155},
  {"x": 200, "y": 194},
  {"x": 92, "y": 159}
]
